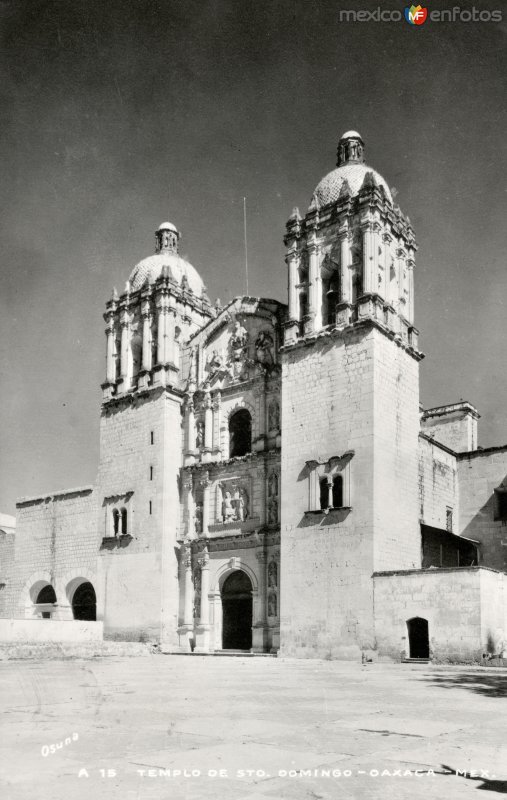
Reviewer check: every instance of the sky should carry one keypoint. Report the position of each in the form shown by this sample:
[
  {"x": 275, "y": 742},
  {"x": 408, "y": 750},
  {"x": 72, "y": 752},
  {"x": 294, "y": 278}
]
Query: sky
[{"x": 119, "y": 115}]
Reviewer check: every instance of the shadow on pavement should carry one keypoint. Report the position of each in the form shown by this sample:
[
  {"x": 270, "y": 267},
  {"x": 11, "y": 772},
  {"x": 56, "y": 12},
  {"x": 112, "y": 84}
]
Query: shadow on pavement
[
  {"x": 488, "y": 684},
  {"x": 489, "y": 784}
]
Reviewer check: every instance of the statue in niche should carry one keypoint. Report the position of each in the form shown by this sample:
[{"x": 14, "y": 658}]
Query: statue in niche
[
  {"x": 198, "y": 519},
  {"x": 199, "y": 438},
  {"x": 234, "y": 504},
  {"x": 272, "y": 605},
  {"x": 241, "y": 500},
  {"x": 273, "y": 574},
  {"x": 273, "y": 485},
  {"x": 228, "y": 510},
  {"x": 239, "y": 338},
  {"x": 273, "y": 416},
  {"x": 272, "y": 511},
  {"x": 264, "y": 348}
]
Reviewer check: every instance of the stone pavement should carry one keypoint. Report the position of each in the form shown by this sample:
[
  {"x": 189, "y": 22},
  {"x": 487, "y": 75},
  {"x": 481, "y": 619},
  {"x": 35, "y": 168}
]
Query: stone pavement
[{"x": 249, "y": 729}]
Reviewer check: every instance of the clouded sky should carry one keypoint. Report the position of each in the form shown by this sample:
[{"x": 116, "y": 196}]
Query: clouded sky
[{"x": 118, "y": 115}]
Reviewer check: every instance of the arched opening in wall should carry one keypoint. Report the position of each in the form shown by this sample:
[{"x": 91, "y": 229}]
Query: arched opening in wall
[
  {"x": 136, "y": 346},
  {"x": 236, "y": 597},
  {"x": 116, "y": 521},
  {"x": 418, "y": 637},
  {"x": 46, "y": 597},
  {"x": 84, "y": 602},
  {"x": 123, "y": 517},
  {"x": 303, "y": 312},
  {"x": 240, "y": 433},
  {"x": 330, "y": 298}
]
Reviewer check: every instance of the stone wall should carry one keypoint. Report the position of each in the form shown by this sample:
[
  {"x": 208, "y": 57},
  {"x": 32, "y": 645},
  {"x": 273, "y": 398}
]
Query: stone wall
[
  {"x": 7, "y": 555},
  {"x": 355, "y": 394},
  {"x": 56, "y": 542},
  {"x": 140, "y": 459},
  {"x": 459, "y": 630},
  {"x": 44, "y": 630},
  {"x": 438, "y": 485},
  {"x": 480, "y": 473}
]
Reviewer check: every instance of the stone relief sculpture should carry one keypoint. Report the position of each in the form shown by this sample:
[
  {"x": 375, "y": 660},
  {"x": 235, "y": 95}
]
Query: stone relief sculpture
[
  {"x": 274, "y": 416},
  {"x": 199, "y": 437},
  {"x": 198, "y": 519},
  {"x": 264, "y": 348},
  {"x": 272, "y": 574},
  {"x": 235, "y": 503},
  {"x": 238, "y": 344},
  {"x": 273, "y": 500}
]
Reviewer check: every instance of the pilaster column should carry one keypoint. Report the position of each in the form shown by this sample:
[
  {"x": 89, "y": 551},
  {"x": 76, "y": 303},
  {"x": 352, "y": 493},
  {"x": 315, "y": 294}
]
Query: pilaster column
[
  {"x": 146, "y": 315},
  {"x": 368, "y": 258},
  {"x": 110, "y": 359},
  {"x": 189, "y": 505},
  {"x": 161, "y": 332},
  {"x": 205, "y": 483},
  {"x": 125, "y": 355},
  {"x": 376, "y": 271},
  {"x": 292, "y": 261},
  {"x": 410, "y": 268},
  {"x": 386, "y": 240},
  {"x": 259, "y": 630},
  {"x": 217, "y": 413},
  {"x": 169, "y": 338},
  {"x": 188, "y": 620},
  {"x": 190, "y": 425},
  {"x": 400, "y": 269},
  {"x": 315, "y": 298},
  {"x": 203, "y": 629},
  {"x": 204, "y": 564},
  {"x": 345, "y": 274},
  {"x": 208, "y": 422}
]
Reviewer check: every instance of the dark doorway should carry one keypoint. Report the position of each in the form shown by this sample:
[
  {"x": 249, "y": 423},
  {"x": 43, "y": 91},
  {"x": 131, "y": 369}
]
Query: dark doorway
[
  {"x": 418, "y": 638},
  {"x": 84, "y": 602},
  {"x": 237, "y": 612},
  {"x": 240, "y": 433}
]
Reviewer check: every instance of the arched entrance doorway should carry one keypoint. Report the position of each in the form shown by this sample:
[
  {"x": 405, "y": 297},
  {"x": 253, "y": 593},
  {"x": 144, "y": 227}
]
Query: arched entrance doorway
[
  {"x": 84, "y": 602},
  {"x": 45, "y": 601},
  {"x": 237, "y": 612},
  {"x": 418, "y": 637}
]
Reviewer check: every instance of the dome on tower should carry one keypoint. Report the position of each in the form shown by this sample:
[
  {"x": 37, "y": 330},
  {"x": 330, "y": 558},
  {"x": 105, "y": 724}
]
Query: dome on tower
[
  {"x": 166, "y": 258},
  {"x": 349, "y": 174}
]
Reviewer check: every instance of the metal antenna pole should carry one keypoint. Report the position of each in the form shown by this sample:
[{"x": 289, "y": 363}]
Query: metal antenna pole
[{"x": 246, "y": 247}]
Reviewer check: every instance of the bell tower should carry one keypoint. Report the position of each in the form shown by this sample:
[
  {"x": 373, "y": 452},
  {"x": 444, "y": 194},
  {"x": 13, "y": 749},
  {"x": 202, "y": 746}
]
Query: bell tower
[{"x": 350, "y": 399}]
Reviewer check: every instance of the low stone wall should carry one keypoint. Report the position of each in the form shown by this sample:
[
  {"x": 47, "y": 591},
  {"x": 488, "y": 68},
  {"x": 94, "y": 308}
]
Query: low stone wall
[
  {"x": 465, "y": 608},
  {"x": 51, "y": 651},
  {"x": 25, "y": 631}
]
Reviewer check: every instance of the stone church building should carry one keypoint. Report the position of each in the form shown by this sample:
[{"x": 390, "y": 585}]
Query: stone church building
[{"x": 267, "y": 479}]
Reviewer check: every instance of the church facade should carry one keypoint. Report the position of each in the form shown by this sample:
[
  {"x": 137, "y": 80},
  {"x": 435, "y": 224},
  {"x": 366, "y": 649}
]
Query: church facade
[{"x": 267, "y": 479}]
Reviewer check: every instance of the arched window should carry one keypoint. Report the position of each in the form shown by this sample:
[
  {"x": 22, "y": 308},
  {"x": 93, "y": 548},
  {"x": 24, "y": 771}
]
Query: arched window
[
  {"x": 116, "y": 521},
  {"x": 46, "y": 595},
  {"x": 123, "y": 514},
  {"x": 240, "y": 433},
  {"x": 331, "y": 296},
  {"x": 331, "y": 492}
]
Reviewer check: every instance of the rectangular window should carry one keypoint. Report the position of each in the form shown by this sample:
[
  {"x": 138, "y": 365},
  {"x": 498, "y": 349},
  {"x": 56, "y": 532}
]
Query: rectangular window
[
  {"x": 151, "y": 509},
  {"x": 501, "y": 503},
  {"x": 152, "y": 437},
  {"x": 448, "y": 519},
  {"x": 151, "y": 473}
]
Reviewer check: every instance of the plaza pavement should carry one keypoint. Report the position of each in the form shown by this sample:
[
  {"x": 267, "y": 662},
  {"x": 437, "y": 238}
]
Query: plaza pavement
[{"x": 304, "y": 730}]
